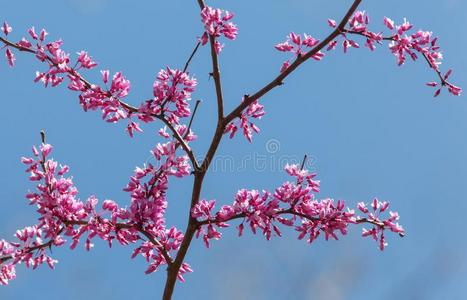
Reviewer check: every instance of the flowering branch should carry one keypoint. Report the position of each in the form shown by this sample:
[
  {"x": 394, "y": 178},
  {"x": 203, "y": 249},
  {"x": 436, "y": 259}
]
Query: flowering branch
[
  {"x": 431, "y": 56},
  {"x": 50, "y": 243},
  {"x": 308, "y": 215},
  {"x": 28, "y": 250},
  {"x": 248, "y": 100},
  {"x": 185, "y": 68},
  {"x": 86, "y": 85}
]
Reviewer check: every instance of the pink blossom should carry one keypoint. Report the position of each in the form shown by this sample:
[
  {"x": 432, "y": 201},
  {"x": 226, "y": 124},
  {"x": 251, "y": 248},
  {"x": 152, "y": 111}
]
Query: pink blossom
[
  {"x": 120, "y": 85},
  {"x": 24, "y": 43},
  {"x": 389, "y": 23},
  {"x": 254, "y": 111},
  {"x": 6, "y": 28},
  {"x": 172, "y": 91},
  {"x": 216, "y": 23},
  {"x": 32, "y": 33},
  {"x": 285, "y": 66},
  {"x": 133, "y": 126},
  {"x": 298, "y": 42},
  {"x": 86, "y": 61},
  {"x": 42, "y": 35},
  {"x": 10, "y": 57}
]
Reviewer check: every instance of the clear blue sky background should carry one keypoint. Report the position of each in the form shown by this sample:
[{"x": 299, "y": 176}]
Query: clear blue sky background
[{"x": 372, "y": 128}]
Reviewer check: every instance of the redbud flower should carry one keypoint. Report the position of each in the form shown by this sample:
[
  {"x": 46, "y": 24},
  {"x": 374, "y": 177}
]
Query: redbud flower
[
  {"x": 10, "y": 57},
  {"x": 6, "y": 28},
  {"x": 255, "y": 111},
  {"x": 216, "y": 23},
  {"x": 85, "y": 60}
]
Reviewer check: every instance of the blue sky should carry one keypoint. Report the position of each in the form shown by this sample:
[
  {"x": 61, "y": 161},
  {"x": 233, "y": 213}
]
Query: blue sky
[{"x": 372, "y": 129}]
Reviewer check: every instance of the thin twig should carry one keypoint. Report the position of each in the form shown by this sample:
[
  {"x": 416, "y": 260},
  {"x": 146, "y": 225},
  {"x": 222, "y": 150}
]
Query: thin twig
[
  {"x": 191, "y": 57},
  {"x": 192, "y": 117},
  {"x": 217, "y": 79},
  {"x": 43, "y": 136},
  {"x": 303, "y": 162}
]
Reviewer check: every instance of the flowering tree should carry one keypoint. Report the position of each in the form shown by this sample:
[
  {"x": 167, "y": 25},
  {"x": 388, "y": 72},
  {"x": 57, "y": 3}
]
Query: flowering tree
[{"x": 141, "y": 224}]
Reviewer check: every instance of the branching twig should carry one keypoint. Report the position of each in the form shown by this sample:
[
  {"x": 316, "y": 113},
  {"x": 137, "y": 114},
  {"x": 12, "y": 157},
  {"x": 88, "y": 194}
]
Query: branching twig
[
  {"x": 191, "y": 57},
  {"x": 392, "y": 38}
]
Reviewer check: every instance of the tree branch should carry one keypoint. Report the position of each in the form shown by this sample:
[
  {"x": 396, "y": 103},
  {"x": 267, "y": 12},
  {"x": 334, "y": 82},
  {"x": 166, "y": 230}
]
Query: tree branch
[
  {"x": 217, "y": 79},
  {"x": 128, "y": 107},
  {"x": 392, "y": 38},
  {"x": 215, "y": 72},
  {"x": 291, "y": 211},
  {"x": 191, "y": 57},
  {"x": 301, "y": 59},
  {"x": 139, "y": 228}
]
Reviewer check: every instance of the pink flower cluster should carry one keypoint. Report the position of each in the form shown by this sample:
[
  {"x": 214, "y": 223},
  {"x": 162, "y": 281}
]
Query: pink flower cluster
[
  {"x": 91, "y": 96},
  {"x": 255, "y": 111},
  {"x": 422, "y": 42},
  {"x": 10, "y": 57},
  {"x": 62, "y": 215},
  {"x": 298, "y": 45},
  {"x": 172, "y": 90},
  {"x": 358, "y": 24},
  {"x": 377, "y": 232},
  {"x": 216, "y": 23},
  {"x": 401, "y": 45},
  {"x": 293, "y": 204}
]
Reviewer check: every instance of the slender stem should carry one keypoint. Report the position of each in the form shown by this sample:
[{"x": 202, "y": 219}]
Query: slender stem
[
  {"x": 386, "y": 38},
  {"x": 304, "y": 162},
  {"x": 192, "y": 117},
  {"x": 16, "y": 46},
  {"x": 43, "y": 136},
  {"x": 441, "y": 77},
  {"x": 291, "y": 211},
  {"x": 172, "y": 271},
  {"x": 191, "y": 57},
  {"x": 217, "y": 79},
  {"x": 215, "y": 73}
]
